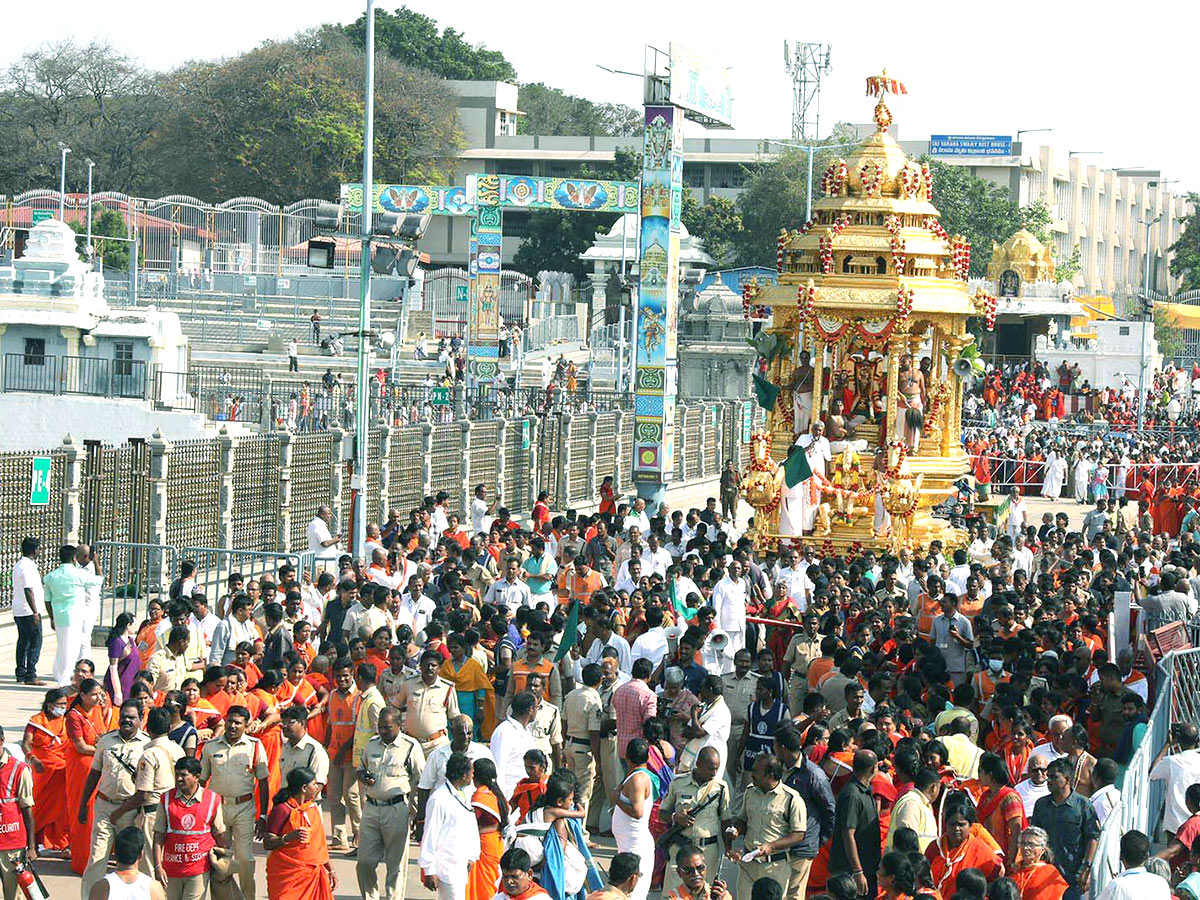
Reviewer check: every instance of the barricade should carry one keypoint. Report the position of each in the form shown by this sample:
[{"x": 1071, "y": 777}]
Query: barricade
[
  {"x": 214, "y": 566},
  {"x": 134, "y": 574}
]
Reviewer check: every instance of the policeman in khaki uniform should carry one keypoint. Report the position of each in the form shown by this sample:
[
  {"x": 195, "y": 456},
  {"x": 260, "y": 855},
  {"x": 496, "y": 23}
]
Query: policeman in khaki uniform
[
  {"x": 582, "y": 716},
  {"x": 428, "y": 703},
  {"x": 390, "y": 768},
  {"x": 702, "y": 827},
  {"x": 113, "y": 769},
  {"x": 546, "y": 724},
  {"x": 804, "y": 647},
  {"x": 300, "y": 748},
  {"x": 773, "y": 820},
  {"x": 155, "y": 774},
  {"x": 609, "y": 768},
  {"x": 390, "y": 679},
  {"x": 232, "y": 765}
]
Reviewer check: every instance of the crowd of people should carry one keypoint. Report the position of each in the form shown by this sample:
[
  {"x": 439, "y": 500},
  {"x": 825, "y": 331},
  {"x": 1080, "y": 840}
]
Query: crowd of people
[{"x": 794, "y": 724}]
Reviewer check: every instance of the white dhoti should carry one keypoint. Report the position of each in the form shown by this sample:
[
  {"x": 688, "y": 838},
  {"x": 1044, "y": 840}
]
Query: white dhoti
[
  {"x": 792, "y": 508},
  {"x": 70, "y": 648},
  {"x": 89, "y": 612},
  {"x": 883, "y": 519},
  {"x": 802, "y": 405},
  {"x": 903, "y": 432}
]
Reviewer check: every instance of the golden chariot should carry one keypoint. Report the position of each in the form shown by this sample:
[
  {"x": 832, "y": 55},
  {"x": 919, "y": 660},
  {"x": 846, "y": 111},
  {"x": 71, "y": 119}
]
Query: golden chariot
[{"x": 872, "y": 289}]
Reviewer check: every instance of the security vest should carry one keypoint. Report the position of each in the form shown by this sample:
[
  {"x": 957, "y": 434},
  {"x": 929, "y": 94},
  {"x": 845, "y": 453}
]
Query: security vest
[
  {"x": 521, "y": 671},
  {"x": 341, "y": 721},
  {"x": 12, "y": 824},
  {"x": 189, "y": 835},
  {"x": 930, "y": 609}
]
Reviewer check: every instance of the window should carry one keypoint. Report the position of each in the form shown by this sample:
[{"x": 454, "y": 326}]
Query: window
[
  {"x": 728, "y": 176},
  {"x": 1123, "y": 331},
  {"x": 1087, "y": 206},
  {"x": 1103, "y": 212},
  {"x": 693, "y": 176},
  {"x": 1101, "y": 260},
  {"x": 123, "y": 358},
  {"x": 1064, "y": 199},
  {"x": 35, "y": 351},
  {"x": 1119, "y": 269}
]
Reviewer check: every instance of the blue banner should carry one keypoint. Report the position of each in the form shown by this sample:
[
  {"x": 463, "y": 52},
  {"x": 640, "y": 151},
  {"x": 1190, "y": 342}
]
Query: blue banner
[{"x": 970, "y": 145}]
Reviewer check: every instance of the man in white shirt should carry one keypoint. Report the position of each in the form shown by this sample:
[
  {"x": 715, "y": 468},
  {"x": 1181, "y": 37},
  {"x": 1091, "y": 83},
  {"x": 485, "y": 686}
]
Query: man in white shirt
[
  {"x": 433, "y": 776},
  {"x": 510, "y": 590},
  {"x": 1022, "y": 556},
  {"x": 373, "y": 541},
  {"x": 1180, "y": 771},
  {"x": 606, "y": 637},
  {"x": 91, "y": 605},
  {"x": 29, "y": 605},
  {"x": 630, "y": 574},
  {"x": 1056, "y": 731},
  {"x": 1035, "y": 786},
  {"x": 1134, "y": 882},
  {"x": 450, "y": 842},
  {"x": 655, "y": 559},
  {"x": 956, "y": 581},
  {"x": 1105, "y": 793},
  {"x": 652, "y": 643},
  {"x": 794, "y": 577},
  {"x": 638, "y": 517},
  {"x": 439, "y": 521},
  {"x": 481, "y": 511},
  {"x": 729, "y": 598},
  {"x": 320, "y": 541},
  {"x": 511, "y": 740},
  {"x": 203, "y": 619}
]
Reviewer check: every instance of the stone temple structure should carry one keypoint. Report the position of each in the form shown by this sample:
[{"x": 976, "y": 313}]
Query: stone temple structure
[{"x": 714, "y": 358}]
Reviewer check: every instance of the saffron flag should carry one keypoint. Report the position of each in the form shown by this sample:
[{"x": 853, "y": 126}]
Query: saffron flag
[
  {"x": 765, "y": 392},
  {"x": 796, "y": 468}
]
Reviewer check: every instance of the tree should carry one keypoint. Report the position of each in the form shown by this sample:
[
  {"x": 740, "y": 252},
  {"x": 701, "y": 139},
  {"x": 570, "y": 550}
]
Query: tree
[
  {"x": 1185, "y": 252},
  {"x": 979, "y": 210},
  {"x": 110, "y": 223},
  {"x": 718, "y": 223},
  {"x": 284, "y": 121},
  {"x": 1167, "y": 332},
  {"x": 547, "y": 110},
  {"x": 554, "y": 238},
  {"x": 413, "y": 39}
]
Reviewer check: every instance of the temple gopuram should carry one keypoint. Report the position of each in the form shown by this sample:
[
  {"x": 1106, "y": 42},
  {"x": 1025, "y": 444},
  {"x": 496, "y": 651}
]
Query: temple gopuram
[{"x": 869, "y": 347}]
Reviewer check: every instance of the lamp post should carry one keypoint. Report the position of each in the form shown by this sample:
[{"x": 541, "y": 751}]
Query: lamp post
[
  {"x": 1146, "y": 310},
  {"x": 362, "y": 392},
  {"x": 90, "y": 253},
  {"x": 62, "y": 182},
  {"x": 810, "y": 150}
]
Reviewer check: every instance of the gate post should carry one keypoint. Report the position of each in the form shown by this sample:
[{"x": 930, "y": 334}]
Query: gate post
[
  {"x": 619, "y": 461},
  {"x": 562, "y": 490},
  {"x": 160, "y": 455},
  {"x": 284, "y": 535},
  {"x": 593, "y": 488},
  {"x": 532, "y": 461},
  {"x": 336, "y": 479},
  {"x": 72, "y": 479},
  {"x": 385, "y": 473},
  {"x": 464, "y": 496},
  {"x": 502, "y": 458},
  {"x": 427, "y": 461},
  {"x": 226, "y": 444}
]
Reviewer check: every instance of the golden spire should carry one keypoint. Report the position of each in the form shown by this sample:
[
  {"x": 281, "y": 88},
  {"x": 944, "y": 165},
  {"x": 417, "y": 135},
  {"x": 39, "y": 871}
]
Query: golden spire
[{"x": 879, "y": 86}]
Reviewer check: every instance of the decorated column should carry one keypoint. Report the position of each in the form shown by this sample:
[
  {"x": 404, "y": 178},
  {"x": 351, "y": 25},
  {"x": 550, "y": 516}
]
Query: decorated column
[
  {"x": 483, "y": 273},
  {"x": 658, "y": 293}
]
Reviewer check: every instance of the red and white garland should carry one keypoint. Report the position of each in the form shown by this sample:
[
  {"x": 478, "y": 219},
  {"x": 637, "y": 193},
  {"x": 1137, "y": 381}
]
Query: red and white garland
[
  {"x": 825, "y": 251},
  {"x": 751, "y": 310},
  {"x": 806, "y": 299},
  {"x": 904, "y": 303},
  {"x": 834, "y": 180},
  {"x": 910, "y": 182},
  {"x": 927, "y": 177},
  {"x": 894, "y": 471},
  {"x": 899, "y": 246},
  {"x": 989, "y": 304},
  {"x": 780, "y": 244},
  {"x": 960, "y": 256},
  {"x": 935, "y": 226},
  {"x": 871, "y": 177},
  {"x": 806, "y": 227}
]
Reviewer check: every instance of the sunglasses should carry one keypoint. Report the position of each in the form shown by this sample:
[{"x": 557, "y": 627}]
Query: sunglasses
[
  {"x": 692, "y": 870},
  {"x": 1037, "y": 768}
]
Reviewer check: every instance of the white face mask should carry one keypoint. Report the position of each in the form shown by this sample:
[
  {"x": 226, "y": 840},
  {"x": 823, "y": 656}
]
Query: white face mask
[
  {"x": 995, "y": 664},
  {"x": 58, "y": 711}
]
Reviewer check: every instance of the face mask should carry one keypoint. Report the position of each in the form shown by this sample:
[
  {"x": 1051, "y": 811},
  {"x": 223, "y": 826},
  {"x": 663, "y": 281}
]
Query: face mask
[
  {"x": 58, "y": 711},
  {"x": 995, "y": 664}
]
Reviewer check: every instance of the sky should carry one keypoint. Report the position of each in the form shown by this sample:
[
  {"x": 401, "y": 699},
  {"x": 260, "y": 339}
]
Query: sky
[{"x": 1105, "y": 77}]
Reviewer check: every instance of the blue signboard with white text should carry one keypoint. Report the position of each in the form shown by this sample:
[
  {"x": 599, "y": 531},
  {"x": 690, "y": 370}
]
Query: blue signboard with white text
[{"x": 970, "y": 145}]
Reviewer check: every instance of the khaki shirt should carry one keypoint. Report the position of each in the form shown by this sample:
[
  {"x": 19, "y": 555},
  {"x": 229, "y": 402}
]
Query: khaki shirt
[
  {"x": 606, "y": 708},
  {"x": 772, "y": 814},
  {"x": 117, "y": 761},
  {"x": 233, "y": 770},
  {"x": 546, "y": 727},
  {"x": 169, "y": 671},
  {"x": 156, "y": 768},
  {"x": 396, "y": 766},
  {"x": 218, "y": 822},
  {"x": 306, "y": 753},
  {"x": 427, "y": 707},
  {"x": 368, "y": 705},
  {"x": 24, "y": 791},
  {"x": 801, "y": 651},
  {"x": 685, "y": 794},
  {"x": 389, "y": 683},
  {"x": 582, "y": 712},
  {"x": 739, "y": 694}
]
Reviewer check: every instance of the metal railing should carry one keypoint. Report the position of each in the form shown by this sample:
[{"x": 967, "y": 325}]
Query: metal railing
[
  {"x": 541, "y": 334},
  {"x": 95, "y": 377},
  {"x": 223, "y": 394},
  {"x": 214, "y": 566},
  {"x": 134, "y": 574}
]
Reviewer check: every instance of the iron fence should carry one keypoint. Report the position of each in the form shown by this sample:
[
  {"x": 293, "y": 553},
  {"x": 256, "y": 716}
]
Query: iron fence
[
  {"x": 19, "y": 519},
  {"x": 407, "y": 468},
  {"x": 134, "y": 574},
  {"x": 44, "y": 374},
  {"x": 311, "y": 474},
  {"x": 256, "y": 492},
  {"x": 222, "y": 393},
  {"x": 193, "y": 492},
  {"x": 214, "y": 566}
]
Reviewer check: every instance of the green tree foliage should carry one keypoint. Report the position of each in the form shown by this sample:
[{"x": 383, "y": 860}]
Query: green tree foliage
[
  {"x": 1185, "y": 259},
  {"x": 413, "y": 39},
  {"x": 979, "y": 210},
  {"x": 718, "y": 223},
  {"x": 554, "y": 238},
  {"x": 111, "y": 223},
  {"x": 547, "y": 110},
  {"x": 284, "y": 121},
  {"x": 1167, "y": 332}
]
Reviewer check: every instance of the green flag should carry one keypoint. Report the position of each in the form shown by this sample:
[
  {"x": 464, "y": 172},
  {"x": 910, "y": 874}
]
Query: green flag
[
  {"x": 765, "y": 392},
  {"x": 570, "y": 635},
  {"x": 796, "y": 468},
  {"x": 683, "y": 612}
]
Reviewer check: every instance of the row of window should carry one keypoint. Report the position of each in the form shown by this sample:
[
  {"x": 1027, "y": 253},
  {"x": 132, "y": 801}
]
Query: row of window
[{"x": 35, "y": 353}]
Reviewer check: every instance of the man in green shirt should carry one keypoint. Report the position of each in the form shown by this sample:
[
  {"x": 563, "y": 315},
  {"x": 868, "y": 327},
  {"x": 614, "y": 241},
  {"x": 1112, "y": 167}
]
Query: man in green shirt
[
  {"x": 539, "y": 568},
  {"x": 66, "y": 593}
]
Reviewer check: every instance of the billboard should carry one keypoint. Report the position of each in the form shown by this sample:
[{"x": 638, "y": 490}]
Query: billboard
[
  {"x": 970, "y": 145},
  {"x": 437, "y": 200},
  {"x": 700, "y": 87}
]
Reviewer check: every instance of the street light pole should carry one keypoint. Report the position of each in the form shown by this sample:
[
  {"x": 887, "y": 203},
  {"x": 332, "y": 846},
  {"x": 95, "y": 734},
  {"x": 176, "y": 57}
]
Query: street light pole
[
  {"x": 362, "y": 392},
  {"x": 62, "y": 182},
  {"x": 91, "y": 165},
  {"x": 1145, "y": 308}
]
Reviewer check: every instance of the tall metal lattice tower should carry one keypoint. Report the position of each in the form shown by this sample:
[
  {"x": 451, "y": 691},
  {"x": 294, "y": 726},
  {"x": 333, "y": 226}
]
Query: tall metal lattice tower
[{"x": 806, "y": 63}]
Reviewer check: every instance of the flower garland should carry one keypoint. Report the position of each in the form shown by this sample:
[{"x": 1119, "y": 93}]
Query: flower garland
[
  {"x": 960, "y": 256},
  {"x": 894, "y": 471},
  {"x": 751, "y": 310},
  {"x": 927, "y": 177},
  {"x": 910, "y": 182},
  {"x": 899, "y": 254},
  {"x": 935, "y": 226},
  {"x": 827, "y": 548},
  {"x": 780, "y": 244},
  {"x": 825, "y": 251},
  {"x": 904, "y": 303},
  {"x": 806, "y": 299},
  {"x": 804, "y": 229},
  {"x": 834, "y": 179},
  {"x": 871, "y": 176},
  {"x": 989, "y": 303}
]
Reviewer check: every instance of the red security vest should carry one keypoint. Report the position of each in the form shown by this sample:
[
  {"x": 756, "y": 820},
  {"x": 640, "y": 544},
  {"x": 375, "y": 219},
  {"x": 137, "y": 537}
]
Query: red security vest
[
  {"x": 521, "y": 671},
  {"x": 189, "y": 832},
  {"x": 12, "y": 824}
]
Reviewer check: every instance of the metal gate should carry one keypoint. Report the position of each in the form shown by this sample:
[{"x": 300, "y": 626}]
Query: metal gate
[
  {"x": 116, "y": 493},
  {"x": 134, "y": 574},
  {"x": 550, "y": 451}
]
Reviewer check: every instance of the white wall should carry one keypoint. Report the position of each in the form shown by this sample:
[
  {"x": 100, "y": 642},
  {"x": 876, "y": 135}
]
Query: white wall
[{"x": 40, "y": 422}]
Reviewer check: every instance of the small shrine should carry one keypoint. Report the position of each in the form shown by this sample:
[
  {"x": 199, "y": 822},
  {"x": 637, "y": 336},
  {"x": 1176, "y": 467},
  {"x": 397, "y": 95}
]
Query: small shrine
[
  {"x": 868, "y": 347},
  {"x": 1021, "y": 260}
]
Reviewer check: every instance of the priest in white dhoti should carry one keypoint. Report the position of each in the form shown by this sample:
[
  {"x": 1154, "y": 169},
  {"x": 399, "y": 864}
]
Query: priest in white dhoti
[
  {"x": 1056, "y": 476},
  {"x": 816, "y": 448},
  {"x": 801, "y": 386},
  {"x": 1081, "y": 478},
  {"x": 729, "y": 599}
]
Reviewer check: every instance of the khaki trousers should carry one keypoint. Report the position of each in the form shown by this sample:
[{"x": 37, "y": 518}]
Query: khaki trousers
[
  {"x": 797, "y": 690},
  {"x": 383, "y": 838},
  {"x": 239, "y": 822},
  {"x": 193, "y": 887},
  {"x": 798, "y": 883},
  {"x": 344, "y": 799},
  {"x": 748, "y": 873},
  {"x": 8, "y": 872},
  {"x": 104, "y": 829},
  {"x": 609, "y": 771},
  {"x": 712, "y": 859},
  {"x": 583, "y": 765}
]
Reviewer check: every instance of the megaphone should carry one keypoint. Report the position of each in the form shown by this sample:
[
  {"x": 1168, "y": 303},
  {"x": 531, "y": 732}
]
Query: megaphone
[
  {"x": 719, "y": 640},
  {"x": 673, "y": 632},
  {"x": 963, "y": 368}
]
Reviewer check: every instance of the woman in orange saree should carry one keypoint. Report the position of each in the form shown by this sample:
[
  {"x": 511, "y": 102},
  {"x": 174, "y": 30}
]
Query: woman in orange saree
[
  {"x": 268, "y": 725},
  {"x": 45, "y": 746},
  {"x": 491, "y": 814},
  {"x": 298, "y": 865},
  {"x": 147, "y": 642},
  {"x": 85, "y": 723},
  {"x": 297, "y": 688},
  {"x": 1035, "y": 875},
  {"x": 964, "y": 844},
  {"x": 1001, "y": 810}
]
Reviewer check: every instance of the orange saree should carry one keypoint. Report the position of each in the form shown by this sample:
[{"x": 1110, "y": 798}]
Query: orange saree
[
  {"x": 87, "y": 726},
  {"x": 48, "y": 744},
  {"x": 297, "y": 871},
  {"x": 1041, "y": 881},
  {"x": 978, "y": 851},
  {"x": 485, "y": 874},
  {"x": 272, "y": 739}
]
